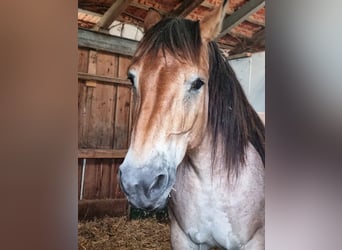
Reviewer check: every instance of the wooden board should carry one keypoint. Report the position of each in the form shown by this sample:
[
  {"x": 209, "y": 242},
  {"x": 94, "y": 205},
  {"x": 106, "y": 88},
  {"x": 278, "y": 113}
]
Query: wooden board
[
  {"x": 106, "y": 64},
  {"x": 103, "y": 79},
  {"x": 91, "y": 179},
  {"x": 101, "y": 179},
  {"x": 82, "y": 113},
  {"x": 88, "y": 209},
  {"x": 122, "y": 112},
  {"x": 104, "y": 124},
  {"x": 104, "y": 110},
  {"x": 124, "y": 63},
  {"x": 101, "y": 153},
  {"x": 98, "y": 104},
  {"x": 99, "y": 117},
  {"x": 122, "y": 118},
  {"x": 84, "y": 102},
  {"x": 118, "y": 193},
  {"x": 83, "y": 56}
]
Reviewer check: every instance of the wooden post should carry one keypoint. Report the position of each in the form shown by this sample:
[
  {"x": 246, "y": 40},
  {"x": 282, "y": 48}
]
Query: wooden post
[
  {"x": 113, "y": 13},
  {"x": 240, "y": 15}
]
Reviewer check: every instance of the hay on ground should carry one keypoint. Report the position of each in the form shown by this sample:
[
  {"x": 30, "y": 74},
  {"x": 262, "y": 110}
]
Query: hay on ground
[{"x": 122, "y": 234}]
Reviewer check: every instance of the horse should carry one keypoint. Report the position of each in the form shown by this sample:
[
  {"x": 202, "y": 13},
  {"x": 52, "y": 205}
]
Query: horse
[{"x": 197, "y": 145}]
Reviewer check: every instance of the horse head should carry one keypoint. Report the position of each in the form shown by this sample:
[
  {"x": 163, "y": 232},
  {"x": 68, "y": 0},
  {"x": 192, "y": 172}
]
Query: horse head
[{"x": 169, "y": 75}]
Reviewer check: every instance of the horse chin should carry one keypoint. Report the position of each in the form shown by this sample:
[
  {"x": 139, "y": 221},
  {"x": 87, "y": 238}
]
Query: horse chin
[
  {"x": 159, "y": 206},
  {"x": 163, "y": 203}
]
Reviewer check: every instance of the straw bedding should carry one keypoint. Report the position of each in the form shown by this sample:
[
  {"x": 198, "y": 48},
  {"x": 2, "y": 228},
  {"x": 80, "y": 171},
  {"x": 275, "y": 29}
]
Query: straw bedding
[{"x": 120, "y": 233}]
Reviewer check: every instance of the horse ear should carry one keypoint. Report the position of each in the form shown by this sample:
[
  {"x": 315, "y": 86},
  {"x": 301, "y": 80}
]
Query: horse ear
[
  {"x": 152, "y": 17},
  {"x": 211, "y": 24}
]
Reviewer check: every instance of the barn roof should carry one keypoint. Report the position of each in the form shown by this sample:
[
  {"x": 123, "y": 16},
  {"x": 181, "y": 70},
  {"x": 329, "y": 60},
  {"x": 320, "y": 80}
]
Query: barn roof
[{"x": 243, "y": 28}]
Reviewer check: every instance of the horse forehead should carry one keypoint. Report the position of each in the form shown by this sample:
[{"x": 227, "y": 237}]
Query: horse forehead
[
  {"x": 166, "y": 72},
  {"x": 162, "y": 63}
]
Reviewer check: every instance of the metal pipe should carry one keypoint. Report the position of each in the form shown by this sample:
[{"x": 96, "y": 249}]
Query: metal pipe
[{"x": 82, "y": 177}]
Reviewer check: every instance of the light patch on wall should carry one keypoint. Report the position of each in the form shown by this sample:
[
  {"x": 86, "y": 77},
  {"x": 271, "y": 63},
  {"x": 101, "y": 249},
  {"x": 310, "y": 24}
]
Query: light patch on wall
[
  {"x": 125, "y": 30},
  {"x": 250, "y": 72}
]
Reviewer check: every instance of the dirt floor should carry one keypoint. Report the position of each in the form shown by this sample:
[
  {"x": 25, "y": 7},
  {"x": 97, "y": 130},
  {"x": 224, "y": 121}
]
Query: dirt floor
[{"x": 121, "y": 234}]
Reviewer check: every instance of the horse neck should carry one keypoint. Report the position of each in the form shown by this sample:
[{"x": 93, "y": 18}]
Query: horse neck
[{"x": 202, "y": 161}]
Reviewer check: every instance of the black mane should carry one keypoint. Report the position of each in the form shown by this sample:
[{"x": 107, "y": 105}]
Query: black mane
[{"x": 231, "y": 119}]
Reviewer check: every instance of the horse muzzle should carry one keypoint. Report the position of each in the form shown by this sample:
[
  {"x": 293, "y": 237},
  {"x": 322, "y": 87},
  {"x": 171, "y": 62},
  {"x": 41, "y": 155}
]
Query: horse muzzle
[{"x": 146, "y": 187}]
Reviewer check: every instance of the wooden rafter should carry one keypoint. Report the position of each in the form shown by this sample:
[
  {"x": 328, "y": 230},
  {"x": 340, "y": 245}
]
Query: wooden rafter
[
  {"x": 225, "y": 46},
  {"x": 240, "y": 15},
  {"x": 186, "y": 8},
  {"x": 113, "y": 13},
  {"x": 147, "y": 7}
]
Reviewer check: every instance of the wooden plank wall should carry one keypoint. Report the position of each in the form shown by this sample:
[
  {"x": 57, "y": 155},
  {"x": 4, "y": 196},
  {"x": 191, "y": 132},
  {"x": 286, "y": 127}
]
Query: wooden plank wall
[{"x": 104, "y": 121}]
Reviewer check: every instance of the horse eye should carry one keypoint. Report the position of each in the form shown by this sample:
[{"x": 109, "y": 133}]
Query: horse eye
[
  {"x": 197, "y": 84},
  {"x": 131, "y": 77}
]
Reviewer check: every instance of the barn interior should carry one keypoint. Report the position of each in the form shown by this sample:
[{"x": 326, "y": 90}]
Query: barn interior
[{"x": 108, "y": 34}]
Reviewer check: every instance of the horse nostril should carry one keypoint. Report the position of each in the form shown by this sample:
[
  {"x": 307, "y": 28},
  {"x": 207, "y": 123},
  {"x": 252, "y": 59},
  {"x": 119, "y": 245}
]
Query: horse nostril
[
  {"x": 160, "y": 181},
  {"x": 157, "y": 186}
]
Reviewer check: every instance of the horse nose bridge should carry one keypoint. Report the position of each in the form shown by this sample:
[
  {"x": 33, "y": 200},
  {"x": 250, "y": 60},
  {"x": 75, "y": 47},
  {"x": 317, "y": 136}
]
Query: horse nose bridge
[
  {"x": 148, "y": 145},
  {"x": 152, "y": 123}
]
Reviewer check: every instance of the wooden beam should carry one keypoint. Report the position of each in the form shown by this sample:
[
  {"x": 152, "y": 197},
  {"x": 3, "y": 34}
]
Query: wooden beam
[
  {"x": 113, "y": 13},
  {"x": 104, "y": 79},
  {"x": 147, "y": 6},
  {"x": 240, "y": 15},
  {"x": 225, "y": 46},
  {"x": 89, "y": 209},
  {"x": 186, "y": 7},
  {"x": 102, "y": 153},
  {"x": 140, "y": 20},
  {"x": 105, "y": 42},
  {"x": 238, "y": 56}
]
